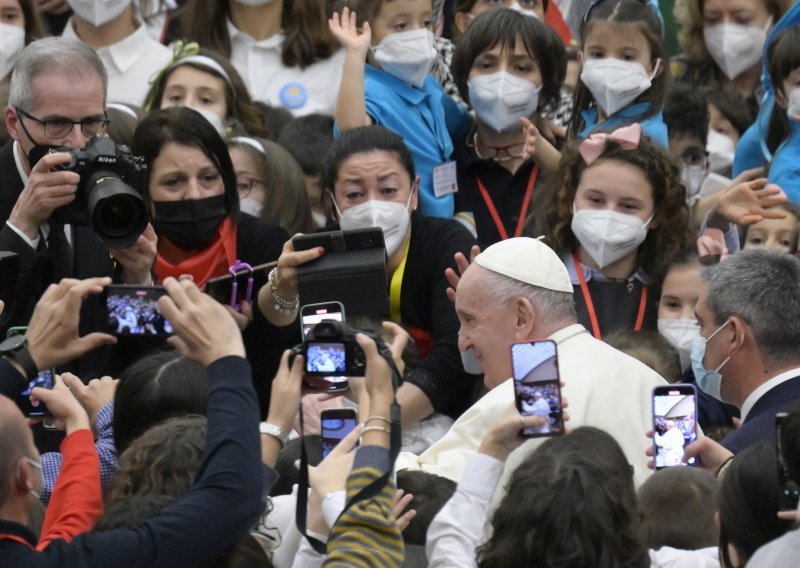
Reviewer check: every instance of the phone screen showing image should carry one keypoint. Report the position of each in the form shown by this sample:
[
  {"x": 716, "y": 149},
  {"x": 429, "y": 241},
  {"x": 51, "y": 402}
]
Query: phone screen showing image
[
  {"x": 134, "y": 311},
  {"x": 32, "y": 407},
  {"x": 336, "y": 424},
  {"x": 537, "y": 387},
  {"x": 312, "y": 314},
  {"x": 674, "y": 424}
]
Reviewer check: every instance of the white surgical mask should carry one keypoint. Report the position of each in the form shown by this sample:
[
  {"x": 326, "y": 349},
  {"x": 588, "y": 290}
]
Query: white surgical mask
[
  {"x": 319, "y": 219},
  {"x": 517, "y": 8},
  {"x": 501, "y": 99},
  {"x": 606, "y": 235},
  {"x": 408, "y": 56},
  {"x": 615, "y": 83},
  {"x": 734, "y": 47},
  {"x": 213, "y": 118},
  {"x": 720, "y": 150},
  {"x": 680, "y": 333},
  {"x": 251, "y": 206},
  {"x": 391, "y": 216},
  {"x": 98, "y": 12},
  {"x": 693, "y": 177},
  {"x": 793, "y": 108},
  {"x": 470, "y": 362},
  {"x": 38, "y": 466},
  {"x": 12, "y": 42}
]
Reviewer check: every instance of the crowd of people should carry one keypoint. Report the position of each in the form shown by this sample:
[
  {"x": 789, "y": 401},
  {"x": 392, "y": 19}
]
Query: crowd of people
[{"x": 613, "y": 182}]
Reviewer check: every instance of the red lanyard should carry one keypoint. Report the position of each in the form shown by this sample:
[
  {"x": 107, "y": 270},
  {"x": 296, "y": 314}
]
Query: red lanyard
[
  {"x": 17, "y": 539},
  {"x": 587, "y": 298},
  {"x": 523, "y": 212}
]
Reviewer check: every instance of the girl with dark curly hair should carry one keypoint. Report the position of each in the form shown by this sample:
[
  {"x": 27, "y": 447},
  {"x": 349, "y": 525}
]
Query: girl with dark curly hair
[{"x": 616, "y": 214}]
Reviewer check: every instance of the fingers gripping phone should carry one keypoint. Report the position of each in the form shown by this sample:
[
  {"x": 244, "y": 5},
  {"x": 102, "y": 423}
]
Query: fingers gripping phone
[
  {"x": 789, "y": 492},
  {"x": 134, "y": 311},
  {"x": 336, "y": 424},
  {"x": 45, "y": 379},
  {"x": 674, "y": 424},
  {"x": 537, "y": 386}
]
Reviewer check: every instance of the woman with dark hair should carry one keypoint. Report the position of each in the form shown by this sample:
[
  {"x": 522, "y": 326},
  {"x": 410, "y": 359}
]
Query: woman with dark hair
[
  {"x": 369, "y": 173},
  {"x": 207, "y": 82},
  {"x": 283, "y": 49},
  {"x": 20, "y": 25},
  {"x": 194, "y": 209}
]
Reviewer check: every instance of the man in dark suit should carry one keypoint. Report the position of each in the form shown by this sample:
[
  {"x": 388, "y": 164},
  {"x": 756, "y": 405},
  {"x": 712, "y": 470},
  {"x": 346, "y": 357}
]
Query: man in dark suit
[
  {"x": 57, "y": 97},
  {"x": 749, "y": 318}
]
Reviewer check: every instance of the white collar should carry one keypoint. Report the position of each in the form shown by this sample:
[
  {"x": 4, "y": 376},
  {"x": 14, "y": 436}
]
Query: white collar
[
  {"x": 18, "y": 161},
  {"x": 272, "y": 42},
  {"x": 764, "y": 388},
  {"x": 126, "y": 52}
]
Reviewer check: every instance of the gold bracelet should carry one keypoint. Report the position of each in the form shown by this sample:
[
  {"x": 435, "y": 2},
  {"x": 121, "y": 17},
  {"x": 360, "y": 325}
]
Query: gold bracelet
[
  {"x": 375, "y": 429},
  {"x": 381, "y": 418}
]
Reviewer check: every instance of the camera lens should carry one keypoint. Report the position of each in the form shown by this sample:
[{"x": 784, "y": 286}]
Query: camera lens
[{"x": 117, "y": 211}]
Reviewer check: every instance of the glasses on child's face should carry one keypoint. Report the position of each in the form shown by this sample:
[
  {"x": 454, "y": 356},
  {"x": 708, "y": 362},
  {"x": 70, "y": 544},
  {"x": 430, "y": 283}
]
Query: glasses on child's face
[{"x": 246, "y": 184}]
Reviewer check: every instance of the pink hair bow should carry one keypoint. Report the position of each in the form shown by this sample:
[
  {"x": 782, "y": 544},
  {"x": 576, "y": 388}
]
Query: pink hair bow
[{"x": 627, "y": 137}]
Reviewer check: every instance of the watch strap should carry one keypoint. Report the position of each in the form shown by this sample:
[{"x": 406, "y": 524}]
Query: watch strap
[
  {"x": 274, "y": 431},
  {"x": 23, "y": 357}
]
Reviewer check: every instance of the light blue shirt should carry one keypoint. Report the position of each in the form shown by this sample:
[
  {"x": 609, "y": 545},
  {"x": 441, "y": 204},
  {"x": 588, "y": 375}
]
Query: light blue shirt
[
  {"x": 425, "y": 119},
  {"x": 784, "y": 170},
  {"x": 652, "y": 126}
]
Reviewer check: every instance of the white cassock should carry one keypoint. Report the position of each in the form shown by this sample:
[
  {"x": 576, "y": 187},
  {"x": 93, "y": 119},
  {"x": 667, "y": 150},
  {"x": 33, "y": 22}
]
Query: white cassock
[{"x": 605, "y": 388}]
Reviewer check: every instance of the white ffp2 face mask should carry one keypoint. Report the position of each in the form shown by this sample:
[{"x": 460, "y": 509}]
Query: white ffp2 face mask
[
  {"x": 680, "y": 333},
  {"x": 721, "y": 151},
  {"x": 12, "y": 42},
  {"x": 98, "y": 12},
  {"x": 391, "y": 216},
  {"x": 615, "y": 83},
  {"x": 793, "y": 108},
  {"x": 693, "y": 177},
  {"x": 606, "y": 235},
  {"x": 251, "y": 206},
  {"x": 501, "y": 99},
  {"x": 408, "y": 56},
  {"x": 734, "y": 47}
]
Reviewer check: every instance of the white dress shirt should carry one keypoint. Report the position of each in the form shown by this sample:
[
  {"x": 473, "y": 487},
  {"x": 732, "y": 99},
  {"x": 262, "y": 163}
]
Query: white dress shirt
[
  {"x": 130, "y": 64},
  {"x": 301, "y": 91}
]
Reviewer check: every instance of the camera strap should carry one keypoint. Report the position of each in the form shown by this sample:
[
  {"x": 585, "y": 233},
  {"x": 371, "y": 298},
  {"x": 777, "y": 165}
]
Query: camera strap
[{"x": 371, "y": 490}]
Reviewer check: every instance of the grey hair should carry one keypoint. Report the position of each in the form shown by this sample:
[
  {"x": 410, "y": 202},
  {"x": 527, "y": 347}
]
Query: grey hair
[
  {"x": 69, "y": 57},
  {"x": 763, "y": 288},
  {"x": 550, "y": 305}
]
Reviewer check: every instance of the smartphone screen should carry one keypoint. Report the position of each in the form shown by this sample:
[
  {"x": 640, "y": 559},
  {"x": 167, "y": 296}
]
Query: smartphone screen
[
  {"x": 133, "y": 310},
  {"x": 537, "y": 387},
  {"x": 789, "y": 492},
  {"x": 35, "y": 408},
  {"x": 312, "y": 314},
  {"x": 674, "y": 424},
  {"x": 336, "y": 424}
]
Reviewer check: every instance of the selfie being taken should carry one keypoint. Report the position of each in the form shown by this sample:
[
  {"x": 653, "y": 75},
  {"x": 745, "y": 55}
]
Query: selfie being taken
[{"x": 399, "y": 283}]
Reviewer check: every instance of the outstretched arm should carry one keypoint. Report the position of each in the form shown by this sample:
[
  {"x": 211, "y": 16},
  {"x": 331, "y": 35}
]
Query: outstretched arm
[{"x": 351, "y": 106}]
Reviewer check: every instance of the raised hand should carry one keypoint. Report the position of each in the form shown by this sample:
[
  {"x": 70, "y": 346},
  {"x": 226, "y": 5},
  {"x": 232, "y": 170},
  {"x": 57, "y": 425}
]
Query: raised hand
[
  {"x": 749, "y": 202},
  {"x": 344, "y": 29},
  {"x": 462, "y": 264}
]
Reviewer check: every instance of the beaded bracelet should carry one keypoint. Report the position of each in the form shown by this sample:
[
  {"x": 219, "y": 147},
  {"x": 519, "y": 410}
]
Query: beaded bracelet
[{"x": 281, "y": 304}]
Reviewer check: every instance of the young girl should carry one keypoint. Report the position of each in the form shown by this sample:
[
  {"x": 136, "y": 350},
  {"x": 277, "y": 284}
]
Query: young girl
[
  {"x": 783, "y": 135},
  {"x": 394, "y": 89},
  {"x": 624, "y": 75},
  {"x": 775, "y": 233},
  {"x": 508, "y": 66},
  {"x": 618, "y": 214}
]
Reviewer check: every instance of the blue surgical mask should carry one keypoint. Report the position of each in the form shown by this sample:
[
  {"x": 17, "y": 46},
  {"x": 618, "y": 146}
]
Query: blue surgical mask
[
  {"x": 36, "y": 465},
  {"x": 709, "y": 381}
]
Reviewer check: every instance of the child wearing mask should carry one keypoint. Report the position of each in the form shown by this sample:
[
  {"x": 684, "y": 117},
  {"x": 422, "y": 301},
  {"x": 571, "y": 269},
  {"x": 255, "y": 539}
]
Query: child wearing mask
[
  {"x": 619, "y": 213},
  {"x": 394, "y": 89},
  {"x": 783, "y": 134},
  {"x": 508, "y": 66},
  {"x": 624, "y": 76},
  {"x": 686, "y": 117}
]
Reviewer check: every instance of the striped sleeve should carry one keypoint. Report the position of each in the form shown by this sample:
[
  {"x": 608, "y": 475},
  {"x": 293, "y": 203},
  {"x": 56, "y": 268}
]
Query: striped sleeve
[{"x": 366, "y": 534}]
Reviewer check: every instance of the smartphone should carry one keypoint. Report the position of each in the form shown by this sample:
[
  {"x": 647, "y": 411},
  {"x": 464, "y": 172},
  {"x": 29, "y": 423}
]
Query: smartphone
[
  {"x": 674, "y": 424},
  {"x": 312, "y": 314},
  {"x": 537, "y": 386},
  {"x": 134, "y": 311},
  {"x": 242, "y": 284},
  {"x": 45, "y": 379},
  {"x": 336, "y": 424},
  {"x": 789, "y": 492}
]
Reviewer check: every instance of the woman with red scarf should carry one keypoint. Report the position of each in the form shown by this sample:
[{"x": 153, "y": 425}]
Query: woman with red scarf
[{"x": 194, "y": 209}]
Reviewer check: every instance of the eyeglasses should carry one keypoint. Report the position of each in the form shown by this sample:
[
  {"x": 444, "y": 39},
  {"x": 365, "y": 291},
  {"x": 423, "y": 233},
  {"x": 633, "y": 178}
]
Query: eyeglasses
[
  {"x": 61, "y": 127},
  {"x": 245, "y": 184}
]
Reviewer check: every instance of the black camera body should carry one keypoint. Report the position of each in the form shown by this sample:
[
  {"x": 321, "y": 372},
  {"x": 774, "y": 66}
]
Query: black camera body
[
  {"x": 331, "y": 350},
  {"x": 109, "y": 195}
]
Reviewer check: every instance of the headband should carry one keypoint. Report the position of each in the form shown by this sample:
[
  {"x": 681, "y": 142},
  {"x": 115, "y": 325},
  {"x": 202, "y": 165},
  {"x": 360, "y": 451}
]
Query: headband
[
  {"x": 252, "y": 142},
  {"x": 204, "y": 61}
]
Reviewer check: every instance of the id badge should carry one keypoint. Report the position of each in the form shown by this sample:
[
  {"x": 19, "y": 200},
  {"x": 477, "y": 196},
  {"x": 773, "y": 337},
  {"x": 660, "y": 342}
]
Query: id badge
[{"x": 445, "y": 179}]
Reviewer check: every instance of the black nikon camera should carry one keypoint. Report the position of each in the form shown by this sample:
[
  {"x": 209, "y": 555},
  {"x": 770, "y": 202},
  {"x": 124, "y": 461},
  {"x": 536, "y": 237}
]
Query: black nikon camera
[{"x": 109, "y": 196}]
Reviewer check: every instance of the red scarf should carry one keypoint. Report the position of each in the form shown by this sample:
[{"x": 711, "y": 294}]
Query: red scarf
[{"x": 212, "y": 261}]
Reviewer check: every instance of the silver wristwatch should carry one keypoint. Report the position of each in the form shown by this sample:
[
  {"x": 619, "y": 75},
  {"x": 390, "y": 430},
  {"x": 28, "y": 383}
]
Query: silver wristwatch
[{"x": 274, "y": 431}]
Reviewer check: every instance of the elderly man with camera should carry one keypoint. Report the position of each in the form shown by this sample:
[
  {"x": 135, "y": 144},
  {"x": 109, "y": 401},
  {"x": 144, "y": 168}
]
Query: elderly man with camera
[{"x": 57, "y": 99}]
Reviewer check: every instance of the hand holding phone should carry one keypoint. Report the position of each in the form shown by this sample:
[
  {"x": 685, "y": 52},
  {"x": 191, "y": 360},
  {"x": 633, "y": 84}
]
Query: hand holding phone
[
  {"x": 674, "y": 424},
  {"x": 134, "y": 311},
  {"x": 336, "y": 424},
  {"x": 537, "y": 386}
]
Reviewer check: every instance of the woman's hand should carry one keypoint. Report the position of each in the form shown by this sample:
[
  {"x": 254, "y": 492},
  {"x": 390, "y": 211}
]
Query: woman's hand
[
  {"x": 138, "y": 260},
  {"x": 286, "y": 392},
  {"x": 462, "y": 264},
  {"x": 344, "y": 29},
  {"x": 243, "y": 318},
  {"x": 747, "y": 203},
  {"x": 65, "y": 408}
]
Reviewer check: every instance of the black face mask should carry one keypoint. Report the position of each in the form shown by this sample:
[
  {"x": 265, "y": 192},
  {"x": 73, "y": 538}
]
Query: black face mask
[{"x": 190, "y": 223}]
